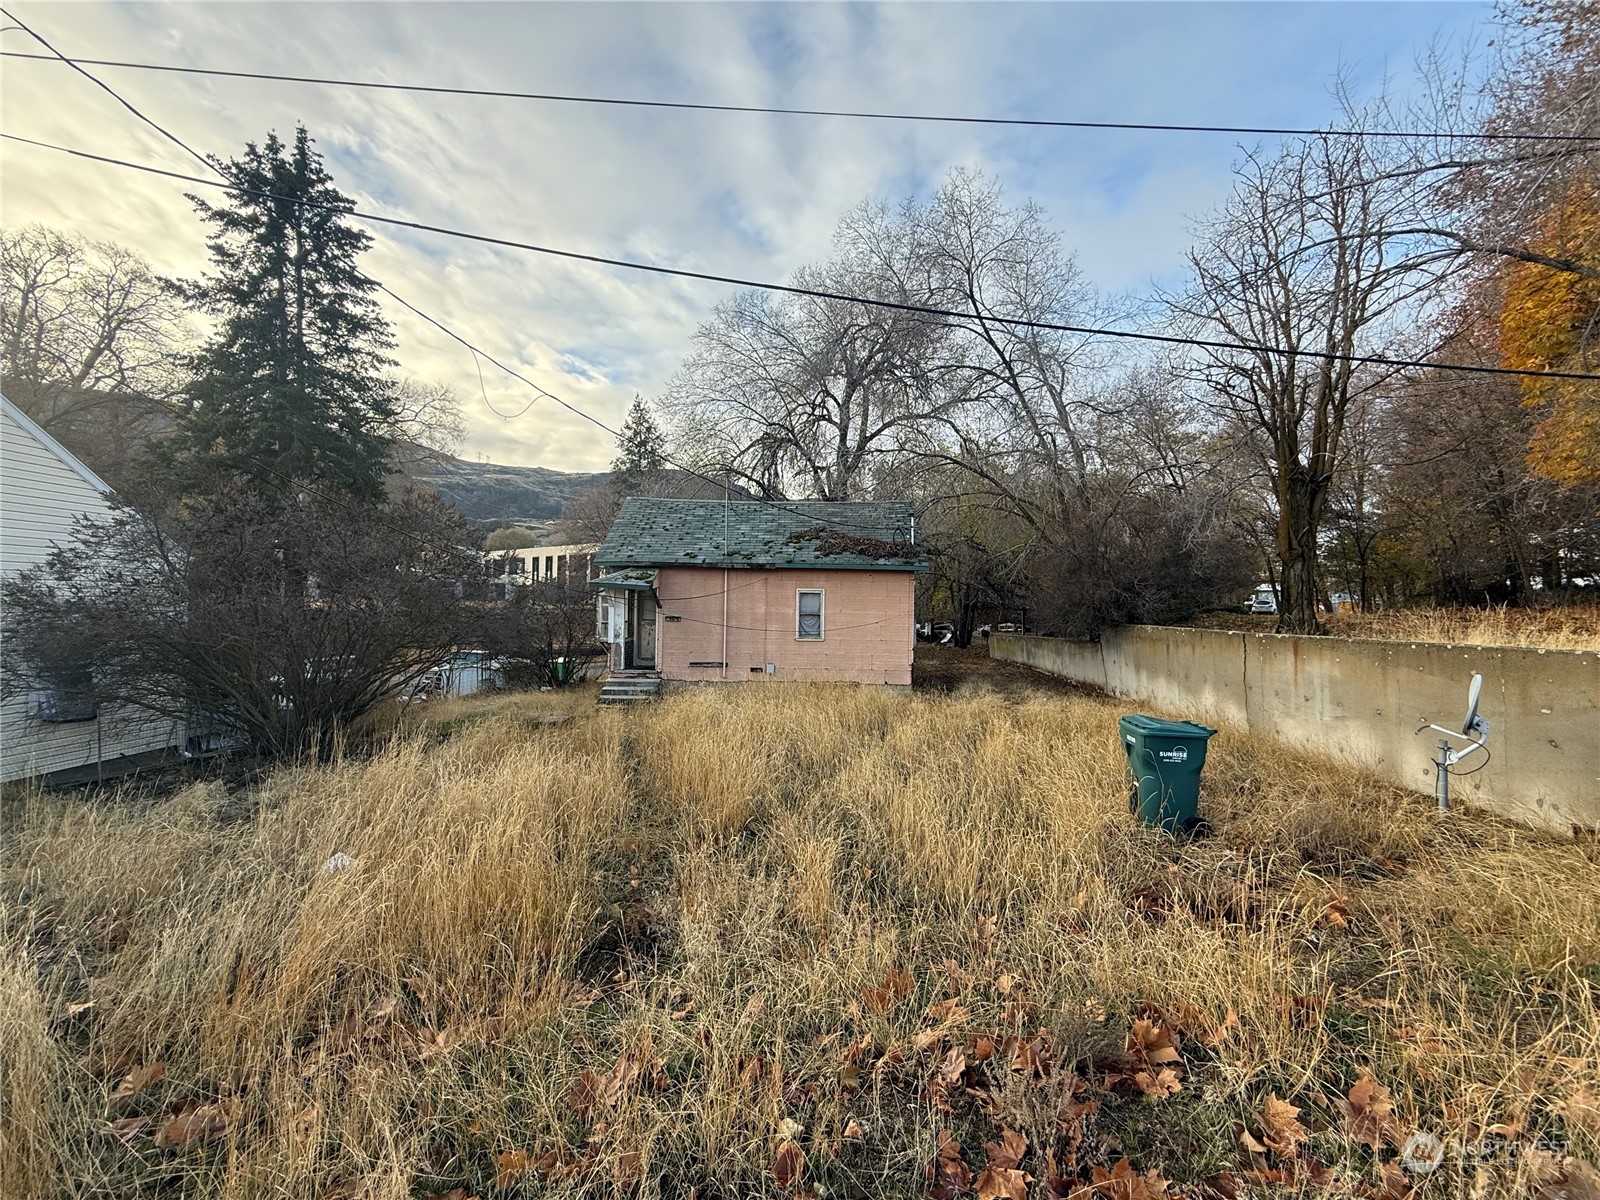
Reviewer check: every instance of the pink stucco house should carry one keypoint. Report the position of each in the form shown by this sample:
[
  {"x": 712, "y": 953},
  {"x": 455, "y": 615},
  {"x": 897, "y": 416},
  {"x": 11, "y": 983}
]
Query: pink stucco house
[{"x": 712, "y": 591}]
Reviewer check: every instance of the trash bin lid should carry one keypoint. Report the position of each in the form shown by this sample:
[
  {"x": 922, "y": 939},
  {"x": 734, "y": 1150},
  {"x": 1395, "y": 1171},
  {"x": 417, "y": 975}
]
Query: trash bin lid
[{"x": 1138, "y": 723}]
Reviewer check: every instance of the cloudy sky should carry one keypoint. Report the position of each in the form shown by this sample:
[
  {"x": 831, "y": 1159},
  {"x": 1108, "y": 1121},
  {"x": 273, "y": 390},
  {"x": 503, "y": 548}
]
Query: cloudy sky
[{"x": 747, "y": 195}]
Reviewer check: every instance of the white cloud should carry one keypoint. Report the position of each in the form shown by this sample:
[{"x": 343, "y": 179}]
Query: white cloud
[{"x": 739, "y": 194}]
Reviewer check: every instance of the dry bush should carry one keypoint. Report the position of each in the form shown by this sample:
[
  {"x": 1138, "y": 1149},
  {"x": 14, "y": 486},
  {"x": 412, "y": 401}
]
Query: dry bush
[
  {"x": 1568, "y": 628},
  {"x": 691, "y": 946}
]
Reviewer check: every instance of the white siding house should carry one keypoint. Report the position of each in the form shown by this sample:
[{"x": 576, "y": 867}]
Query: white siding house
[
  {"x": 43, "y": 488},
  {"x": 572, "y": 565}
]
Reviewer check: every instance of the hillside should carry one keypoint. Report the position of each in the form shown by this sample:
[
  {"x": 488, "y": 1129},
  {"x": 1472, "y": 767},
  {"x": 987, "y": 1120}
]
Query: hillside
[{"x": 495, "y": 492}]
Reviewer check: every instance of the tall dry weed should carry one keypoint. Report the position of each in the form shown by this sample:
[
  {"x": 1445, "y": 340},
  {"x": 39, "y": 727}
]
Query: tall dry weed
[
  {"x": 661, "y": 950},
  {"x": 32, "y": 1075},
  {"x": 1574, "y": 627}
]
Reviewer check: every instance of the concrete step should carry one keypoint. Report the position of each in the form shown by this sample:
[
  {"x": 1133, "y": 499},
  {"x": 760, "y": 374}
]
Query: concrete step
[{"x": 630, "y": 689}]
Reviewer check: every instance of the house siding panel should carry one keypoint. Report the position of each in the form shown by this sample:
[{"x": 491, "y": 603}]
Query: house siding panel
[
  {"x": 41, "y": 494},
  {"x": 868, "y": 626}
]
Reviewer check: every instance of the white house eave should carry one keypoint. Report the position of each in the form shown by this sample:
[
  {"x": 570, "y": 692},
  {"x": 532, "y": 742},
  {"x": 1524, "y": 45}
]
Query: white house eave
[{"x": 68, "y": 458}]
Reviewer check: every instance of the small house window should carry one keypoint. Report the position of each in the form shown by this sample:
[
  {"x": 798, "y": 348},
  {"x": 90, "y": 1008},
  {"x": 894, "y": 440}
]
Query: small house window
[
  {"x": 72, "y": 699},
  {"x": 808, "y": 615}
]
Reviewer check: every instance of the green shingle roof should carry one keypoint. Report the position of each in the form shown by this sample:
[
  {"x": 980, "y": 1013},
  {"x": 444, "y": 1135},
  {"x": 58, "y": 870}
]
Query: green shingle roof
[{"x": 850, "y": 535}]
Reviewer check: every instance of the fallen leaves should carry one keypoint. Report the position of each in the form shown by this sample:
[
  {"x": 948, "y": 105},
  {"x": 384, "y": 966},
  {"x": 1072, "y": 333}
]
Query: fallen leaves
[
  {"x": 1369, "y": 1113},
  {"x": 1154, "y": 1061},
  {"x": 1122, "y": 1182},
  {"x": 1035, "y": 1058},
  {"x": 630, "y": 1166},
  {"x": 954, "y": 1065},
  {"x": 946, "y": 1012},
  {"x": 381, "y": 1029},
  {"x": 134, "y": 1082},
  {"x": 1567, "y": 1179},
  {"x": 1581, "y": 1110},
  {"x": 127, "y": 1130},
  {"x": 203, "y": 1123},
  {"x": 1280, "y": 1125},
  {"x": 948, "y": 1174},
  {"x": 788, "y": 1164},
  {"x": 1160, "y": 1084},
  {"x": 1153, "y": 1044},
  {"x": 896, "y": 987},
  {"x": 1003, "y": 1178},
  {"x": 608, "y": 1090},
  {"x": 512, "y": 1165},
  {"x": 1336, "y": 912},
  {"x": 1198, "y": 1025},
  {"x": 616, "y": 1082}
]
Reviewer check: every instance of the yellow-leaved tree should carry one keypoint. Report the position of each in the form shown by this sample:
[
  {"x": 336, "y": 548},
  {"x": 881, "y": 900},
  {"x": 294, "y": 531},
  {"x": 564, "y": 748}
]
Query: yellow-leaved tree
[{"x": 1551, "y": 322}]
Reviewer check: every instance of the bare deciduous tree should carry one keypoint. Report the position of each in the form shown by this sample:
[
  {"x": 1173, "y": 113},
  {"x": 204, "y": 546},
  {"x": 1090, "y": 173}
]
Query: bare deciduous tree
[
  {"x": 1022, "y": 394},
  {"x": 545, "y": 632},
  {"x": 90, "y": 341},
  {"x": 797, "y": 395},
  {"x": 1303, "y": 262}
]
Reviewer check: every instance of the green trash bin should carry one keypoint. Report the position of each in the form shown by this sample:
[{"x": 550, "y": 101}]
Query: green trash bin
[
  {"x": 1165, "y": 759},
  {"x": 559, "y": 669}
]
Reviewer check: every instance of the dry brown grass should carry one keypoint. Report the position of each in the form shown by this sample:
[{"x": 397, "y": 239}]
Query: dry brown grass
[
  {"x": 1569, "y": 628},
  {"x": 650, "y": 947}
]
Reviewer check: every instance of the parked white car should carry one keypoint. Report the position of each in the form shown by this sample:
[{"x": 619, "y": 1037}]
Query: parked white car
[{"x": 1263, "y": 601}]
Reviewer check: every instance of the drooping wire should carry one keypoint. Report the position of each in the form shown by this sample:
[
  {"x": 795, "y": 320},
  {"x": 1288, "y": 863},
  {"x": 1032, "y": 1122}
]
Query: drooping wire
[
  {"x": 872, "y": 302},
  {"x": 233, "y": 184},
  {"x": 772, "y": 110}
]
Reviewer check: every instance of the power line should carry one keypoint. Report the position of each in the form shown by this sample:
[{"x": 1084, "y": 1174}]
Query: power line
[
  {"x": 822, "y": 294},
  {"x": 343, "y": 501},
  {"x": 476, "y": 351},
  {"x": 56, "y": 56},
  {"x": 768, "y": 110}
]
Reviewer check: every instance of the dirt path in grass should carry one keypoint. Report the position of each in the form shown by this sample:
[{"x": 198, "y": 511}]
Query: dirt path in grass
[{"x": 945, "y": 669}]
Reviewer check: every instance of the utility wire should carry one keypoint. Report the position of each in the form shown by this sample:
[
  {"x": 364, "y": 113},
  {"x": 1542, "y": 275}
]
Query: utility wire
[
  {"x": 836, "y": 522},
  {"x": 230, "y": 182},
  {"x": 687, "y": 106},
  {"x": 336, "y": 498},
  {"x": 345, "y": 502},
  {"x": 56, "y": 56},
  {"x": 822, "y": 294}
]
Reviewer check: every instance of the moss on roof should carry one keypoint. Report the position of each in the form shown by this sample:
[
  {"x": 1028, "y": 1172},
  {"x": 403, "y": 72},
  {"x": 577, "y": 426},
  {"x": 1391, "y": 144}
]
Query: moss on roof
[{"x": 849, "y": 535}]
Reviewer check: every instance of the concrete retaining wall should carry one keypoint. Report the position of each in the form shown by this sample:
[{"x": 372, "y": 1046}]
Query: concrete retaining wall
[{"x": 1361, "y": 700}]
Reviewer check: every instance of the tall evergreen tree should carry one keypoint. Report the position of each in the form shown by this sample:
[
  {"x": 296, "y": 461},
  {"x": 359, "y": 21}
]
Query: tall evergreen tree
[
  {"x": 294, "y": 384},
  {"x": 641, "y": 446}
]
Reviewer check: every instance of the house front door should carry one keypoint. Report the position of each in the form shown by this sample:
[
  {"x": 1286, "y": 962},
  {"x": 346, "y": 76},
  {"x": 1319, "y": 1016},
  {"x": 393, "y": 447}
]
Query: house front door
[{"x": 644, "y": 630}]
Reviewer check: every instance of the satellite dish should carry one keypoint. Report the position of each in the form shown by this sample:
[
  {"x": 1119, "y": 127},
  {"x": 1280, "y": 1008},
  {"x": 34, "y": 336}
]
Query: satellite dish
[{"x": 1474, "y": 723}]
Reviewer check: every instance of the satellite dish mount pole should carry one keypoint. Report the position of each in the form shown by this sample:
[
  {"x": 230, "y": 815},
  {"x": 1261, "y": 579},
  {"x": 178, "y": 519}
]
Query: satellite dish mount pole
[
  {"x": 1441, "y": 776},
  {"x": 1475, "y": 729}
]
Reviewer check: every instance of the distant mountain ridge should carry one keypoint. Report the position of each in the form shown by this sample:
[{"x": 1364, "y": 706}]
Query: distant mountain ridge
[
  {"x": 112, "y": 432},
  {"x": 496, "y": 492}
]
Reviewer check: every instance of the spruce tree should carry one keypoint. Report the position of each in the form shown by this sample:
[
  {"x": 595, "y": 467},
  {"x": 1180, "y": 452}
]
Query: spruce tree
[
  {"x": 294, "y": 384},
  {"x": 641, "y": 446}
]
